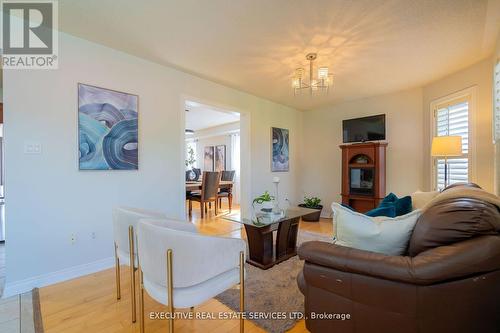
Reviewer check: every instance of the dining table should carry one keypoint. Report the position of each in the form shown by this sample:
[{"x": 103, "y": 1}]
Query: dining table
[
  {"x": 227, "y": 185},
  {"x": 196, "y": 185}
]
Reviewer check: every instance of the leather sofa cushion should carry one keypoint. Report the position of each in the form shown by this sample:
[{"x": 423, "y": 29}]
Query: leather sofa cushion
[
  {"x": 452, "y": 221},
  {"x": 444, "y": 263}
]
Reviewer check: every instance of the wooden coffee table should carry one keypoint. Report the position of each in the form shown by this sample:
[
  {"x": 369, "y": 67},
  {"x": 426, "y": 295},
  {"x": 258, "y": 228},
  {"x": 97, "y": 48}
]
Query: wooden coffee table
[{"x": 263, "y": 252}]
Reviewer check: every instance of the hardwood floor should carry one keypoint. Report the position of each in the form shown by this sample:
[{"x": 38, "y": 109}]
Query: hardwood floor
[{"x": 88, "y": 304}]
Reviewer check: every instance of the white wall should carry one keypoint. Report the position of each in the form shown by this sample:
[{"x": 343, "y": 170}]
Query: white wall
[
  {"x": 322, "y": 132},
  {"x": 48, "y": 199},
  {"x": 480, "y": 76},
  {"x": 213, "y": 141},
  {"x": 214, "y": 136},
  {"x": 408, "y": 134}
]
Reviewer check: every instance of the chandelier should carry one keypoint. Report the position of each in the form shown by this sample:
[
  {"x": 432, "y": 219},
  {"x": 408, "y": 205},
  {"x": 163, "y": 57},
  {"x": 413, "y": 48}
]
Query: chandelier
[{"x": 322, "y": 82}]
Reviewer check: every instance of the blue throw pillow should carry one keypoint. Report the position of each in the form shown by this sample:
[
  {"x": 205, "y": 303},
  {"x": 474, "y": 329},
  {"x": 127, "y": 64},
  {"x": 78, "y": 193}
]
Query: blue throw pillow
[
  {"x": 389, "y": 211},
  {"x": 388, "y": 200},
  {"x": 402, "y": 205}
]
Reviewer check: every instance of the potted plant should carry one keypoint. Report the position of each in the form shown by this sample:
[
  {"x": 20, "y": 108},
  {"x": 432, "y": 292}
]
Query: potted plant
[
  {"x": 191, "y": 173},
  {"x": 312, "y": 203},
  {"x": 266, "y": 200},
  {"x": 190, "y": 158}
]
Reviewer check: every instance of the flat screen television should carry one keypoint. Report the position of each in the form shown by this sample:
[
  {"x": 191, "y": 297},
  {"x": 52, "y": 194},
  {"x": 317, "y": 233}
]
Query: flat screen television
[{"x": 364, "y": 129}]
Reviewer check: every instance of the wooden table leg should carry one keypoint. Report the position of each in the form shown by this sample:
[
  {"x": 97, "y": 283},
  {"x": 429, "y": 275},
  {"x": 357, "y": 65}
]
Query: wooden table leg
[
  {"x": 260, "y": 244},
  {"x": 286, "y": 239}
]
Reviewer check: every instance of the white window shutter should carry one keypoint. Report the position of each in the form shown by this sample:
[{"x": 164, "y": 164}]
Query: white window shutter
[{"x": 453, "y": 120}]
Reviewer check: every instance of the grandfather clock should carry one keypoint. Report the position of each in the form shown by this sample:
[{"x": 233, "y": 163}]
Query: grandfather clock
[{"x": 363, "y": 175}]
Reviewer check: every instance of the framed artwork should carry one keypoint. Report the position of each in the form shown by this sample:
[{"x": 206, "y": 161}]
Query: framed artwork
[
  {"x": 208, "y": 158},
  {"x": 280, "y": 158},
  {"x": 107, "y": 129},
  {"x": 220, "y": 158}
]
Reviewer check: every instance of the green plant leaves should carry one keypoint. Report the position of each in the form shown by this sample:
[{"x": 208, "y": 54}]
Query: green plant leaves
[{"x": 311, "y": 202}]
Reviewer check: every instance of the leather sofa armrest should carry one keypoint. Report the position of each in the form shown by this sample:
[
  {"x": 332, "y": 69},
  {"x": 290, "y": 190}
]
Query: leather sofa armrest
[
  {"x": 352, "y": 260},
  {"x": 467, "y": 258}
]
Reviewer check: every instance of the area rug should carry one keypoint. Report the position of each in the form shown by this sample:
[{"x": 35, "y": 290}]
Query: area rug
[{"x": 273, "y": 291}]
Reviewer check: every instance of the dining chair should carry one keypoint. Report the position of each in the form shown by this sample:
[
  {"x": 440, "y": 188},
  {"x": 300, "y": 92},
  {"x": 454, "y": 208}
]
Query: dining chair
[
  {"x": 208, "y": 194},
  {"x": 226, "y": 192},
  {"x": 180, "y": 268},
  {"x": 125, "y": 220}
]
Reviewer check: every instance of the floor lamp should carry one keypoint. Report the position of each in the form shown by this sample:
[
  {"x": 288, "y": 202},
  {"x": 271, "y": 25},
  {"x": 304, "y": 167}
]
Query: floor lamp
[{"x": 444, "y": 147}]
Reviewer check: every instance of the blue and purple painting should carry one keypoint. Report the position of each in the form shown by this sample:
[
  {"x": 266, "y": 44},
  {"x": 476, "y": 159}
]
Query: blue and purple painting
[
  {"x": 280, "y": 159},
  {"x": 107, "y": 129}
]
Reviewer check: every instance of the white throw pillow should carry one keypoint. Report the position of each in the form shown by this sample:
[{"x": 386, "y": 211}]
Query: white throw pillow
[
  {"x": 419, "y": 199},
  {"x": 376, "y": 234}
]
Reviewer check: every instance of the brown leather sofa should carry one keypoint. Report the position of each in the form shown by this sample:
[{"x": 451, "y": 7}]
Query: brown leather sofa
[{"x": 449, "y": 281}]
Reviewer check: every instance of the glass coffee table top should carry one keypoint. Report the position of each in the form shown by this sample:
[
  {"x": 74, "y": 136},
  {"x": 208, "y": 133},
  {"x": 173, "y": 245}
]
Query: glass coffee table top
[{"x": 262, "y": 219}]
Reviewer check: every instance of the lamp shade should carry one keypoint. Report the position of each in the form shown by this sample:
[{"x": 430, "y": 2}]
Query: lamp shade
[{"x": 446, "y": 146}]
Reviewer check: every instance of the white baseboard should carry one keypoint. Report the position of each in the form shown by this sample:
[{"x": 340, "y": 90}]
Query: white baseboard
[{"x": 22, "y": 286}]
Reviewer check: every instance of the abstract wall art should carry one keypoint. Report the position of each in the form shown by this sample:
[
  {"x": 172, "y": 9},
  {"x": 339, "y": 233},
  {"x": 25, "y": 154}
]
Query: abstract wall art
[
  {"x": 107, "y": 129},
  {"x": 220, "y": 158},
  {"x": 280, "y": 159},
  {"x": 208, "y": 158}
]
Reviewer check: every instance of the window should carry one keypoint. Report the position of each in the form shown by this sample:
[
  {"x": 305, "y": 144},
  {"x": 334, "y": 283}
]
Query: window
[
  {"x": 496, "y": 98},
  {"x": 191, "y": 154},
  {"x": 452, "y": 116}
]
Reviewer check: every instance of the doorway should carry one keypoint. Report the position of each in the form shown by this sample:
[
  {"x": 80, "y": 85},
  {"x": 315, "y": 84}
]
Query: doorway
[{"x": 212, "y": 144}]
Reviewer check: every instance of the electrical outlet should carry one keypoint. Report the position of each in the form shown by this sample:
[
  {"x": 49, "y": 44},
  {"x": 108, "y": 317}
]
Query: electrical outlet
[
  {"x": 93, "y": 235},
  {"x": 32, "y": 148},
  {"x": 73, "y": 239}
]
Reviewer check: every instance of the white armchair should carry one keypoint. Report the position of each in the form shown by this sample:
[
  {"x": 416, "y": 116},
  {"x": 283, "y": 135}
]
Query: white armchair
[
  {"x": 125, "y": 220},
  {"x": 198, "y": 267}
]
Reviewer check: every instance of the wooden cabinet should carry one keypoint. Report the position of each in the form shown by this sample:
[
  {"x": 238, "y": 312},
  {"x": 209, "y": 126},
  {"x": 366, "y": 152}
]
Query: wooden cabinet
[{"x": 363, "y": 175}]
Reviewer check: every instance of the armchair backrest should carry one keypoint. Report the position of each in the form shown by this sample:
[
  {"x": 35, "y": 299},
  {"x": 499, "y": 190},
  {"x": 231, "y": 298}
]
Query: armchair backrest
[
  {"x": 196, "y": 257},
  {"x": 123, "y": 217},
  {"x": 172, "y": 224}
]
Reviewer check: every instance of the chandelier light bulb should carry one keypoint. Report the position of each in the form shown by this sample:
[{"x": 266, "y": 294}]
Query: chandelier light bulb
[
  {"x": 299, "y": 73},
  {"x": 323, "y": 73}
]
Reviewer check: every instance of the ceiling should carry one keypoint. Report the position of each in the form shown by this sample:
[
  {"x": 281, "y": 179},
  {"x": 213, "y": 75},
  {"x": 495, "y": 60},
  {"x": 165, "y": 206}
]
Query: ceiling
[
  {"x": 200, "y": 116},
  {"x": 371, "y": 46}
]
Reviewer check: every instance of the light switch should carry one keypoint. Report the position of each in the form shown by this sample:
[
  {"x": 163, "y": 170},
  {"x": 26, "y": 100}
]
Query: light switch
[{"x": 32, "y": 148}]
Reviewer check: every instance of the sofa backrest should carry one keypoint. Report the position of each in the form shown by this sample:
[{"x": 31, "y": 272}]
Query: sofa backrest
[
  {"x": 461, "y": 184},
  {"x": 453, "y": 220}
]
